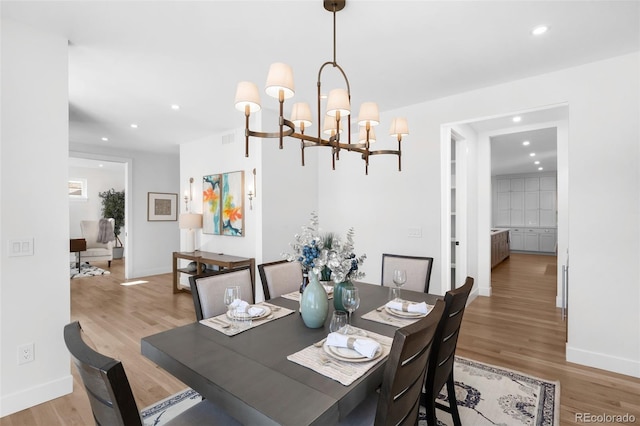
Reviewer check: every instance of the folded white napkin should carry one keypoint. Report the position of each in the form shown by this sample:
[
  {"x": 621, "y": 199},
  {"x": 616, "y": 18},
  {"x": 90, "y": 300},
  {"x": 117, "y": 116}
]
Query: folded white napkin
[
  {"x": 328, "y": 288},
  {"x": 365, "y": 347},
  {"x": 242, "y": 306},
  {"x": 418, "y": 308}
]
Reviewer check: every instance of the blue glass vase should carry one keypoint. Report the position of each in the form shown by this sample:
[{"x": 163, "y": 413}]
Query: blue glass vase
[
  {"x": 337, "y": 295},
  {"x": 314, "y": 304}
]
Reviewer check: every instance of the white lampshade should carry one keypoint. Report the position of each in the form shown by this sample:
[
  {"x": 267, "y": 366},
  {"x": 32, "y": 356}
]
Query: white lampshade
[
  {"x": 330, "y": 125},
  {"x": 247, "y": 94},
  {"x": 280, "y": 77},
  {"x": 362, "y": 135},
  {"x": 301, "y": 114},
  {"x": 338, "y": 101},
  {"x": 190, "y": 221},
  {"x": 399, "y": 127},
  {"x": 369, "y": 113}
]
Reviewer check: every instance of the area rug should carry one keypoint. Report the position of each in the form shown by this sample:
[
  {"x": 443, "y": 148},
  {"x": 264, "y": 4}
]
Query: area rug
[
  {"x": 487, "y": 395},
  {"x": 490, "y": 395},
  {"x": 86, "y": 270}
]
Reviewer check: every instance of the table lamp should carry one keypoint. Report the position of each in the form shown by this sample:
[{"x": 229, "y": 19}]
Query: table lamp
[{"x": 190, "y": 221}]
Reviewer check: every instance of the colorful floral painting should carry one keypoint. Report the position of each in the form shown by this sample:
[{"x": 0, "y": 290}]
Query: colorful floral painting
[{"x": 223, "y": 207}]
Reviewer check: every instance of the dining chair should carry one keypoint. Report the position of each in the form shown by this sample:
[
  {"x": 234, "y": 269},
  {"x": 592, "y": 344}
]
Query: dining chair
[
  {"x": 441, "y": 360},
  {"x": 418, "y": 271},
  {"x": 207, "y": 290},
  {"x": 279, "y": 278},
  {"x": 110, "y": 395},
  {"x": 398, "y": 402}
]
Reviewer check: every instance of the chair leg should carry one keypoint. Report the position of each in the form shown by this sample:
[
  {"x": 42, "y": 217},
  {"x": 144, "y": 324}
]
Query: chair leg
[
  {"x": 430, "y": 409},
  {"x": 453, "y": 403},
  {"x": 109, "y": 263}
]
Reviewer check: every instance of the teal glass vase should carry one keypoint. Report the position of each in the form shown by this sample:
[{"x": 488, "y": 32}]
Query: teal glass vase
[
  {"x": 337, "y": 295},
  {"x": 314, "y": 304}
]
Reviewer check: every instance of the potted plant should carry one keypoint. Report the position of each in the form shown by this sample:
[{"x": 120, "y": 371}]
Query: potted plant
[{"x": 113, "y": 207}]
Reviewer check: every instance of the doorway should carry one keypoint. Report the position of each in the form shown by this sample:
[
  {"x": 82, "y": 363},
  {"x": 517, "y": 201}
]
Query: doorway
[
  {"x": 479, "y": 215},
  {"x": 105, "y": 172}
]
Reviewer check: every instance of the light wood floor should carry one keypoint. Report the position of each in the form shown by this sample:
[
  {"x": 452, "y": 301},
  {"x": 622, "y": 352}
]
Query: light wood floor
[{"x": 517, "y": 328}]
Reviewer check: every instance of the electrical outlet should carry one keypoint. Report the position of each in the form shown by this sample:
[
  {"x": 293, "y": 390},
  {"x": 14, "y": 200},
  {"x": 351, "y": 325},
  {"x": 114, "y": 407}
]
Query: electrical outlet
[{"x": 26, "y": 353}]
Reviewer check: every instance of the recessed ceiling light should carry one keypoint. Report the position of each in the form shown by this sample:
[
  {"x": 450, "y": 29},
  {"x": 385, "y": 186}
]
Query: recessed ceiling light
[
  {"x": 539, "y": 168},
  {"x": 100, "y": 165},
  {"x": 517, "y": 119},
  {"x": 134, "y": 126},
  {"x": 533, "y": 154},
  {"x": 175, "y": 107},
  {"x": 526, "y": 143},
  {"x": 539, "y": 30},
  {"x": 536, "y": 162},
  {"x": 105, "y": 139}
]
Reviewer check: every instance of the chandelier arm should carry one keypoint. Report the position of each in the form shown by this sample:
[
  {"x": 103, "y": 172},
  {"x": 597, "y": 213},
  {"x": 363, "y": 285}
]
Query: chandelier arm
[{"x": 271, "y": 135}]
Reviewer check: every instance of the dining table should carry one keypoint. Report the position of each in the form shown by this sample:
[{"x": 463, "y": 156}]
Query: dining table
[{"x": 250, "y": 376}]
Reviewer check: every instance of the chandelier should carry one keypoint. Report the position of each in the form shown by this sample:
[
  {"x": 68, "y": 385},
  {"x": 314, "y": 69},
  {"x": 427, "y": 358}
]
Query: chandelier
[{"x": 338, "y": 108}]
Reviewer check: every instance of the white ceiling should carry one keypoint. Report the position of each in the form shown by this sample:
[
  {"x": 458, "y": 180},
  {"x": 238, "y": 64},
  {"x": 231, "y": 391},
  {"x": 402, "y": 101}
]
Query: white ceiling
[{"x": 129, "y": 61}]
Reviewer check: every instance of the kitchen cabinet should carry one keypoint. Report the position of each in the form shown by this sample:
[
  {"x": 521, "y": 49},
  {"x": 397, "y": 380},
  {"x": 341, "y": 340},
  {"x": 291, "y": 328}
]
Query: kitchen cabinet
[
  {"x": 516, "y": 238},
  {"x": 547, "y": 240},
  {"x": 499, "y": 246},
  {"x": 531, "y": 241}
]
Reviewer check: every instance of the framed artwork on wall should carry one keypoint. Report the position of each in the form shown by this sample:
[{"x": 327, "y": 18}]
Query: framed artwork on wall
[
  {"x": 223, "y": 204},
  {"x": 162, "y": 206}
]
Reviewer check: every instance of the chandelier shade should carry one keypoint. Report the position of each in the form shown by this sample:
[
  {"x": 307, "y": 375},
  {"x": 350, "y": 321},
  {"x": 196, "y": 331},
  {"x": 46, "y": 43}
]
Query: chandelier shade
[
  {"x": 280, "y": 79},
  {"x": 247, "y": 95},
  {"x": 337, "y": 115}
]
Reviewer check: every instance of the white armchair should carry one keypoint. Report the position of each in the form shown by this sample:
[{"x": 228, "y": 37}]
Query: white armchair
[{"x": 95, "y": 251}]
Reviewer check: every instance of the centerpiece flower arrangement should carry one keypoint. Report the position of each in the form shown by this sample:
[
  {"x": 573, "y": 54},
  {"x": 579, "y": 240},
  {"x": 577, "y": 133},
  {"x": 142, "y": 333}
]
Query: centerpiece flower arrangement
[{"x": 326, "y": 255}]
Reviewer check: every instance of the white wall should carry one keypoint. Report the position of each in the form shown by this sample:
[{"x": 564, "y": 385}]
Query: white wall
[
  {"x": 98, "y": 180},
  {"x": 604, "y": 189},
  {"x": 34, "y": 290}
]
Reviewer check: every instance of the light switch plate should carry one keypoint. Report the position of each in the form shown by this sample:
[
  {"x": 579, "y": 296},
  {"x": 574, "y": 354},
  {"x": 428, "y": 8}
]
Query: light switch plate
[{"x": 20, "y": 247}]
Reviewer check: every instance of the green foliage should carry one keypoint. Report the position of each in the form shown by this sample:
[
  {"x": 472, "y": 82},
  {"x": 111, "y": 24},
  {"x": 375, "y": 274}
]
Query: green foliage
[{"x": 113, "y": 207}]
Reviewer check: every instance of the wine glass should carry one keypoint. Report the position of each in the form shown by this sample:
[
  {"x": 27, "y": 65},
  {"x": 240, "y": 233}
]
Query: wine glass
[
  {"x": 399, "y": 278},
  {"x": 338, "y": 321},
  {"x": 230, "y": 294},
  {"x": 351, "y": 302}
]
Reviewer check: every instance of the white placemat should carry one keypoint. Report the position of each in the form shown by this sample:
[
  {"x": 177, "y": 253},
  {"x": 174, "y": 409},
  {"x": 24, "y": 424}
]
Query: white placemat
[
  {"x": 315, "y": 358},
  {"x": 381, "y": 315},
  {"x": 221, "y": 321}
]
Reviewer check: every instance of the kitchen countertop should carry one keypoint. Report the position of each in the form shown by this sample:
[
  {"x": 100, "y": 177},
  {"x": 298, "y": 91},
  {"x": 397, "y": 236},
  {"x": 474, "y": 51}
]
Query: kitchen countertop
[{"x": 495, "y": 231}]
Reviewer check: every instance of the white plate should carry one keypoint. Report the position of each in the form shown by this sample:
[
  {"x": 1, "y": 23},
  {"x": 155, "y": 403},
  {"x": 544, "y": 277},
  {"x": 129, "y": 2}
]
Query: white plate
[
  {"x": 266, "y": 311},
  {"x": 403, "y": 314},
  {"x": 349, "y": 355}
]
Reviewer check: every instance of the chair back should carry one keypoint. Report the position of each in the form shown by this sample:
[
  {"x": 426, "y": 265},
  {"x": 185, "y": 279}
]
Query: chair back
[
  {"x": 404, "y": 374},
  {"x": 105, "y": 381},
  {"x": 91, "y": 230},
  {"x": 279, "y": 278},
  {"x": 418, "y": 271},
  {"x": 444, "y": 345},
  {"x": 207, "y": 290}
]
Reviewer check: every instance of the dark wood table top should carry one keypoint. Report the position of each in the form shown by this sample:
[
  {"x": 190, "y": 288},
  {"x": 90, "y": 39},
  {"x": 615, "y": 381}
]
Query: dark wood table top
[{"x": 249, "y": 374}]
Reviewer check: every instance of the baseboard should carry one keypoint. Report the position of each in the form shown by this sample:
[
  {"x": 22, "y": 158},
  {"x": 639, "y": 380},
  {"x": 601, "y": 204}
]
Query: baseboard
[
  {"x": 149, "y": 272},
  {"x": 484, "y": 292},
  {"x": 615, "y": 364},
  {"x": 30, "y": 397}
]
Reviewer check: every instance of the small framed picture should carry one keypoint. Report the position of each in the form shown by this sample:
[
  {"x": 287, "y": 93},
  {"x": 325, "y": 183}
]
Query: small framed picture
[{"x": 162, "y": 206}]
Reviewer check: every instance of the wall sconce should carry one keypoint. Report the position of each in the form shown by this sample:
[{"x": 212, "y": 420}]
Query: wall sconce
[
  {"x": 188, "y": 196},
  {"x": 252, "y": 191}
]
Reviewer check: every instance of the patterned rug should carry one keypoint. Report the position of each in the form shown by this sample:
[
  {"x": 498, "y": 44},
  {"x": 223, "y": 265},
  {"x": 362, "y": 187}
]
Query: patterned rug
[
  {"x": 86, "y": 270},
  {"x": 487, "y": 395}
]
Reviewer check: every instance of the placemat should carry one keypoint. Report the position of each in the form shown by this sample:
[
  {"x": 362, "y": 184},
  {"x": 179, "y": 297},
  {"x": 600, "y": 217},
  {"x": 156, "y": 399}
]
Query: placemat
[
  {"x": 315, "y": 358},
  {"x": 382, "y": 316},
  {"x": 221, "y": 321}
]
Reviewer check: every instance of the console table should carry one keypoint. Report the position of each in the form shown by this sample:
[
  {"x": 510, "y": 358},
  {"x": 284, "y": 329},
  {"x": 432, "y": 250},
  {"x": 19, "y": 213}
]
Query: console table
[{"x": 201, "y": 258}]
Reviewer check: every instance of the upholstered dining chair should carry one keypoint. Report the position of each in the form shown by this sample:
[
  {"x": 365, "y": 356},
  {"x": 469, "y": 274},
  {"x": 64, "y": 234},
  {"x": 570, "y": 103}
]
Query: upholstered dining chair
[
  {"x": 207, "y": 290},
  {"x": 399, "y": 400},
  {"x": 441, "y": 360},
  {"x": 418, "y": 271},
  {"x": 279, "y": 278},
  {"x": 110, "y": 395}
]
